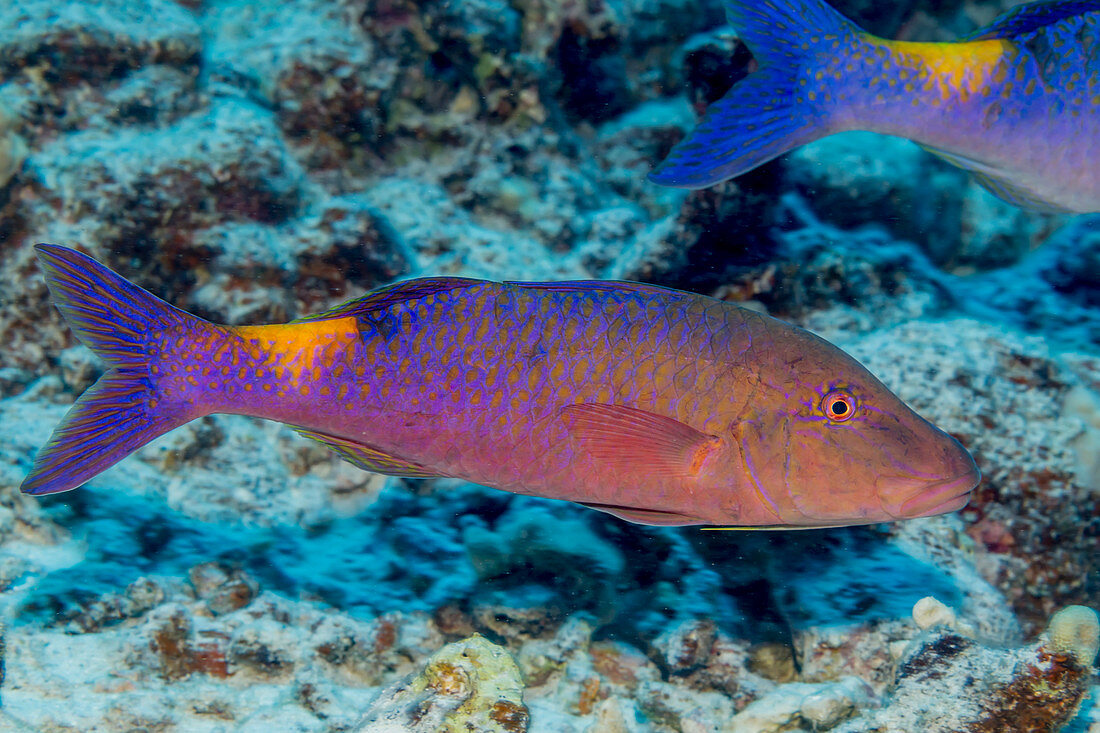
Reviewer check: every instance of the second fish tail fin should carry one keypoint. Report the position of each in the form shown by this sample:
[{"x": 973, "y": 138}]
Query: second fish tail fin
[
  {"x": 122, "y": 411},
  {"x": 772, "y": 110}
]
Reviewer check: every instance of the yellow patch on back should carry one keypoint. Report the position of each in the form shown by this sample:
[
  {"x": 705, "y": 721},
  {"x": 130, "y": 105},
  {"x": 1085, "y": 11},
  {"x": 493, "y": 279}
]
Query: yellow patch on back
[
  {"x": 952, "y": 70},
  {"x": 301, "y": 347}
]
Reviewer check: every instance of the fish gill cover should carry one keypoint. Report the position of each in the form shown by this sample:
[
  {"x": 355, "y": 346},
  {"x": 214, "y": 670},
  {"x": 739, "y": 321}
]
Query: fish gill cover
[{"x": 256, "y": 163}]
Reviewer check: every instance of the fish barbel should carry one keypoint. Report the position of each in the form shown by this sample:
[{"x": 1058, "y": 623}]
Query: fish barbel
[
  {"x": 1017, "y": 103},
  {"x": 658, "y": 406}
]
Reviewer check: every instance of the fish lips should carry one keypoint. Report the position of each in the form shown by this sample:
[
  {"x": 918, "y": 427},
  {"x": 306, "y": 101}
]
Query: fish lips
[{"x": 937, "y": 497}]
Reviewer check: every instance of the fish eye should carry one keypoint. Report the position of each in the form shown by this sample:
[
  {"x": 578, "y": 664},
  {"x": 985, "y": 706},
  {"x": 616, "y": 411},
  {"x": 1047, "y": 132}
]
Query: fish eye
[{"x": 838, "y": 405}]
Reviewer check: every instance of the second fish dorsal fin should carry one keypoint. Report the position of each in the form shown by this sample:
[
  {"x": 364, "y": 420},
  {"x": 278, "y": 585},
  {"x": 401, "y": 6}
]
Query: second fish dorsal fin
[
  {"x": 382, "y": 298},
  {"x": 367, "y": 458},
  {"x": 638, "y": 441},
  {"x": 1030, "y": 17}
]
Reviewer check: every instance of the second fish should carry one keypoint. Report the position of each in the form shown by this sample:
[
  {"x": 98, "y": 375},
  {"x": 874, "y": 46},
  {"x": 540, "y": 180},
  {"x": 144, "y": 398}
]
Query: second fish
[{"x": 1016, "y": 103}]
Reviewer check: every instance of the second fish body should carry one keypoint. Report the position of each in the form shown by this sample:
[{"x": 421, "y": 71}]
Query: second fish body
[{"x": 1016, "y": 103}]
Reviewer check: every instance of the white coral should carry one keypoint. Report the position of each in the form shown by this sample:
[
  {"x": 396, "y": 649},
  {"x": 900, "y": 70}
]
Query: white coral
[
  {"x": 929, "y": 612},
  {"x": 1075, "y": 630}
]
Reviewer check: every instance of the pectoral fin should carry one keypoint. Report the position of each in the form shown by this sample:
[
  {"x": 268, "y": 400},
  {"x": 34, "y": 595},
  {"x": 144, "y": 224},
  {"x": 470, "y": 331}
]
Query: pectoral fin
[
  {"x": 368, "y": 458},
  {"x": 636, "y": 441}
]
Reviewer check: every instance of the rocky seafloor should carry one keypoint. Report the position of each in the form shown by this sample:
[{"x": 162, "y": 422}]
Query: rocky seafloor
[{"x": 254, "y": 162}]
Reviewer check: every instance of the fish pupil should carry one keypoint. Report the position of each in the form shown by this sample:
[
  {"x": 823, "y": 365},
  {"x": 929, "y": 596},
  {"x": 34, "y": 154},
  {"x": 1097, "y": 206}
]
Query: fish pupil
[{"x": 839, "y": 408}]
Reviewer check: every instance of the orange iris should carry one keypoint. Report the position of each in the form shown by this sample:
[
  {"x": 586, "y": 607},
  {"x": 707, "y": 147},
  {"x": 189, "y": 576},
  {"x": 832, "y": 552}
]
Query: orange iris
[{"x": 838, "y": 405}]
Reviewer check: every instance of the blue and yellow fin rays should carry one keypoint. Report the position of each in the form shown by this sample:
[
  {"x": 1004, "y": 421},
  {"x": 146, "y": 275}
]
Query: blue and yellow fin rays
[
  {"x": 762, "y": 117},
  {"x": 1031, "y": 17},
  {"x": 109, "y": 315},
  {"x": 772, "y": 30},
  {"x": 590, "y": 286},
  {"x": 110, "y": 420},
  {"x": 368, "y": 458},
  {"x": 772, "y": 110},
  {"x": 401, "y": 292},
  {"x": 120, "y": 412},
  {"x": 962, "y": 161}
]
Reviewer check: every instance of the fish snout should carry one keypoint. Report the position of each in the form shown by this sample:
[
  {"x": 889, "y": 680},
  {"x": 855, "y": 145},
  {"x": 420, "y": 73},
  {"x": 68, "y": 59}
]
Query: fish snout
[
  {"x": 910, "y": 497},
  {"x": 940, "y": 497}
]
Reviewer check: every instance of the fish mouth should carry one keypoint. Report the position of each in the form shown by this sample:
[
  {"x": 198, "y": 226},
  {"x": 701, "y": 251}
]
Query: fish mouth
[{"x": 940, "y": 497}]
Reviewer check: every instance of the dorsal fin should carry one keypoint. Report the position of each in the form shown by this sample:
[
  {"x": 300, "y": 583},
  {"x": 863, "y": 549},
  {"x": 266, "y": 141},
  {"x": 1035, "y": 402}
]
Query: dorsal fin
[
  {"x": 396, "y": 293},
  {"x": 1031, "y": 17},
  {"x": 589, "y": 286}
]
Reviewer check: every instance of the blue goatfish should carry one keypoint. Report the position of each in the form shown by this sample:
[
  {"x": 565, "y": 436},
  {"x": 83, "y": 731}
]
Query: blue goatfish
[
  {"x": 1016, "y": 103},
  {"x": 655, "y": 405}
]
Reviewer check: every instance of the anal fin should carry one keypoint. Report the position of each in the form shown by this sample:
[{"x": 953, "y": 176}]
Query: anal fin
[
  {"x": 958, "y": 159},
  {"x": 1016, "y": 195},
  {"x": 653, "y": 517},
  {"x": 368, "y": 458},
  {"x": 998, "y": 183}
]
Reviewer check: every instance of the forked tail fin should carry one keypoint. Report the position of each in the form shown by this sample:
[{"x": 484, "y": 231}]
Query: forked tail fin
[
  {"x": 773, "y": 109},
  {"x": 121, "y": 412}
]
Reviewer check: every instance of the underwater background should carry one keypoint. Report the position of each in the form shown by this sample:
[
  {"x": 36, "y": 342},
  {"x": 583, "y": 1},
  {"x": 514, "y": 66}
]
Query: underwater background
[{"x": 254, "y": 162}]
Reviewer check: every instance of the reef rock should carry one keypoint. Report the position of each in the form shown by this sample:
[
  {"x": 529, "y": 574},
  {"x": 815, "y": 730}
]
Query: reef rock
[
  {"x": 312, "y": 63},
  {"x": 1033, "y": 519},
  {"x": 467, "y": 685},
  {"x": 990, "y": 690},
  {"x": 69, "y": 66}
]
